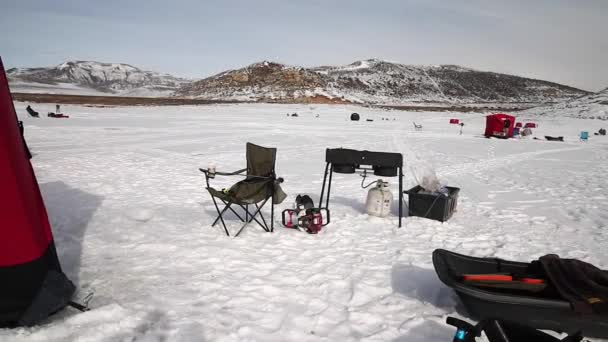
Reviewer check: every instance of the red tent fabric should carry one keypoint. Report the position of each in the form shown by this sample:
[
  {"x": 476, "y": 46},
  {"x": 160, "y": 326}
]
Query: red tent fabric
[
  {"x": 519, "y": 125},
  {"x": 27, "y": 251},
  {"x": 454, "y": 121},
  {"x": 500, "y": 125},
  {"x": 530, "y": 125}
]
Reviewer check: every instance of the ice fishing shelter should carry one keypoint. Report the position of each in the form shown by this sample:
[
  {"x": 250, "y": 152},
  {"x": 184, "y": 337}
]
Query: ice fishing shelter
[
  {"x": 500, "y": 125},
  {"x": 32, "y": 284},
  {"x": 354, "y": 117}
]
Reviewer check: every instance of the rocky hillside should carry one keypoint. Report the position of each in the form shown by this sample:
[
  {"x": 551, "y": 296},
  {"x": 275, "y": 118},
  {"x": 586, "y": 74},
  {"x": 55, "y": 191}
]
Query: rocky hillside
[
  {"x": 377, "y": 82},
  {"x": 592, "y": 106},
  {"x": 85, "y": 77},
  {"x": 264, "y": 81}
]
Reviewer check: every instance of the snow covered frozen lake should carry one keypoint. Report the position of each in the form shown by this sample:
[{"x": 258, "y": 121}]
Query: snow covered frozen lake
[{"x": 132, "y": 220}]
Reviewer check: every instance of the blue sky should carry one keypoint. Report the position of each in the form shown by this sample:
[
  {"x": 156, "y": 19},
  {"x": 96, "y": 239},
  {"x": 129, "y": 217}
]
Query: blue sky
[{"x": 557, "y": 40}]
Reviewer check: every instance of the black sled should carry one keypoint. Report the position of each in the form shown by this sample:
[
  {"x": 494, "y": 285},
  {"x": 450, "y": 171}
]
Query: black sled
[{"x": 537, "y": 310}]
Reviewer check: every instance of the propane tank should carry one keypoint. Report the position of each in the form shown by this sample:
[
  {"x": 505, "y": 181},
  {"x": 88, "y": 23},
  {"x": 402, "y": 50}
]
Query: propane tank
[{"x": 379, "y": 199}]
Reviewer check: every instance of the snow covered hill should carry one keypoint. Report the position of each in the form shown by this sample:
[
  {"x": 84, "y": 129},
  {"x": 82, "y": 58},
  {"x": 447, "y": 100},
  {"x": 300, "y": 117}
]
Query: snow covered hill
[
  {"x": 93, "y": 78},
  {"x": 377, "y": 82},
  {"x": 382, "y": 81},
  {"x": 371, "y": 81},
  {"x": 592, "y": 106}
]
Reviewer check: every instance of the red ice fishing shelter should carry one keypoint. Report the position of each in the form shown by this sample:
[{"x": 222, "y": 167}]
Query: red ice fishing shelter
[
  {"x": 500, "y": 125},
  {"x": 454, "y": 121},
  {"x": 32, "y": 284}
]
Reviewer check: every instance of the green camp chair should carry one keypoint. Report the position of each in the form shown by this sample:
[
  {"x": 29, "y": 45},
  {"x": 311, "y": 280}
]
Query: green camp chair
[{"x": 260, "y": 185}]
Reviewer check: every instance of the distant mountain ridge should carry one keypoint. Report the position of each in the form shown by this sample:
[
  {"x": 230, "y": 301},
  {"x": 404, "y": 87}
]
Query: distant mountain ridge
[
  {"x": 377, "y": 82},
  {"x": 110, "y": 78},
  {"x": 371, "y": 81}
]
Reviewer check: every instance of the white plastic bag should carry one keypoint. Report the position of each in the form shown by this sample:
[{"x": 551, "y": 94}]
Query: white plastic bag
[{"x": 426, "y": 177}]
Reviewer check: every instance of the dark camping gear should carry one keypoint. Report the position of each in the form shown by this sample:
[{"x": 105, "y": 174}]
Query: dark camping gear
[
  {"x": 499, "y": 125},
  {"x": 57, "y": 116},
  {"x": 260, "y": 185},
  {"x": 550, "y": 138},
  {"x": 503, "y": 331},
  {"x": 435, "y": 206},
  {"x": 543, "y": 309},
  {"x": 354, "y": 117},
  {"x": 369, "y": 120},
  {"x": 304, "y": 201},
  {"x": 32, "y": 112},
  {"x": 343, "y": 160},
  {"x": 582, "y": 284},
  {"x": 32, "y": 284},
  {"x": 602, "y": 131}
]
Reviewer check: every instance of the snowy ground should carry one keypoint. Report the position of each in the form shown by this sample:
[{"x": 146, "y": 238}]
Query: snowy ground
[{"x": 132, "y": 221}]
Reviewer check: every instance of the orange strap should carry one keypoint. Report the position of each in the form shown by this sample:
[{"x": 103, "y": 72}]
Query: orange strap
[
  {"x": 487, "y": 277},
  {"x": 500, "y": 277}
]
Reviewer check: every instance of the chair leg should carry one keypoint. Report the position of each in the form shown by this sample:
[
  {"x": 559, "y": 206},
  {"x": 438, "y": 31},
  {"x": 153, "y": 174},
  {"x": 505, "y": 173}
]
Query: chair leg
[
  {"x": 227, "y": 206},
  {"x": 237, "y": 214},
  {"x": 400, "y": 195},
  {"x": 220, "y": 213},
  {"x": 253, "y": 217},
  {"x": 271, "y": 213},
  {"x": 264, "y": 225}
]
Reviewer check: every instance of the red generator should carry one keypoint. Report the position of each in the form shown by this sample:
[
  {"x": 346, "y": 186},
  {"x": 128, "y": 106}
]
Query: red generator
[
  {"x": 530, "y": 125},
  {"x": 454, "y": 121},
  {"x": 500, "y": 125}
]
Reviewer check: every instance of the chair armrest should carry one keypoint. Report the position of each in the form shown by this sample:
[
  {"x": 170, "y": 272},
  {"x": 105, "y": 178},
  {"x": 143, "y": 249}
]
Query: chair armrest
[{"x": 235, "y": 173}]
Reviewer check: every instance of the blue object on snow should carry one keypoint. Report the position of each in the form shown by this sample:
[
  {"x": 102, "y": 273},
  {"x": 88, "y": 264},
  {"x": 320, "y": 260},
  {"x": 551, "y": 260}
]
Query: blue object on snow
[{"x": 461, "y": 334}]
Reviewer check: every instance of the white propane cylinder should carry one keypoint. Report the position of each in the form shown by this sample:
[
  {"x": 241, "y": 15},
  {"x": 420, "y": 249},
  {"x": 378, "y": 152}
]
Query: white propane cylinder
[{"x": 379, "y": 200}]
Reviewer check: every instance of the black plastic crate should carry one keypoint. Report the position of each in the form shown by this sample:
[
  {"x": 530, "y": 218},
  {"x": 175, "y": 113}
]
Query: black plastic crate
[{"x": 432, "y": 206}]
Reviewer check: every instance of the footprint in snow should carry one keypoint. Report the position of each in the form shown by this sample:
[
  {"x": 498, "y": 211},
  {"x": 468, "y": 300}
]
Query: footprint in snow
[{"x": 140, "y": 214}]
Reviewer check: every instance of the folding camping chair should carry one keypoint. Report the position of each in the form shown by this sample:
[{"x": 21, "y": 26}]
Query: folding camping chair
[
  {"x": 417, "y": 127},
  {"x": 259, "y": 185},
  {"x": 584, "y": 136}
]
